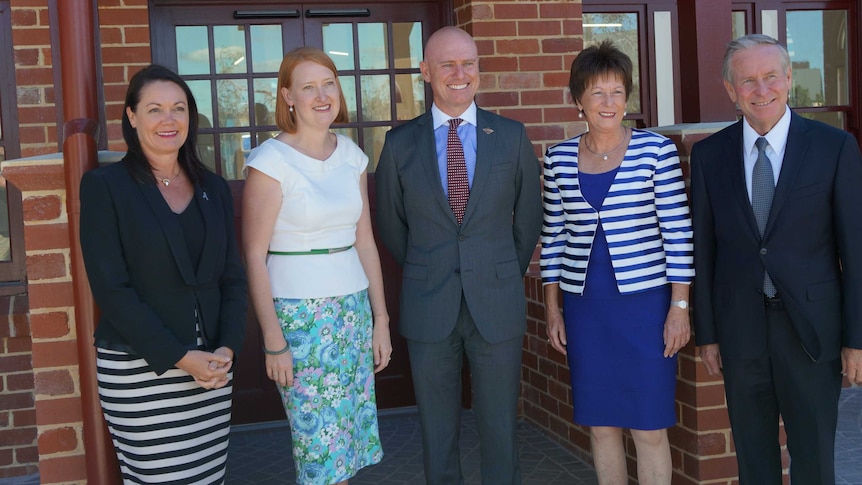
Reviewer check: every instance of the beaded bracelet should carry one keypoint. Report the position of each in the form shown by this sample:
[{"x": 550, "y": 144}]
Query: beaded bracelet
[{"x": 277, "y": 352}]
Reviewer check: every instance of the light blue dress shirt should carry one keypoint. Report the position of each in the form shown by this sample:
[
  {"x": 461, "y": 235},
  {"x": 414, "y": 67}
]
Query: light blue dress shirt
[{"x": 467, "y": 134}]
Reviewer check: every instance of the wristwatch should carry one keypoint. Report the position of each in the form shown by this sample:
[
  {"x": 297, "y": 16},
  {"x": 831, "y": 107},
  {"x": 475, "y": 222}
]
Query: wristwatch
[{"x": 680, "y": 304}]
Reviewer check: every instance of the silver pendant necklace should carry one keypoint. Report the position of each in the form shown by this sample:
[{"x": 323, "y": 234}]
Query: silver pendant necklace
[{"x": 606, "y": 154}]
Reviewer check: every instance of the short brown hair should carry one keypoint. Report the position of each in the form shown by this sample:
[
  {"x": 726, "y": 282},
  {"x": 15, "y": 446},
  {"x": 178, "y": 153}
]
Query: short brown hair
[
  {"x": 599, "y": 60},
  {"x": 284, "y": 118}
]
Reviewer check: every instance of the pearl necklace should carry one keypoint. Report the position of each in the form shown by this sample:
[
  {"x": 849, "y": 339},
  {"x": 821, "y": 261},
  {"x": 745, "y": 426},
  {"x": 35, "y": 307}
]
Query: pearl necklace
[{"x": 605, "y": 155}]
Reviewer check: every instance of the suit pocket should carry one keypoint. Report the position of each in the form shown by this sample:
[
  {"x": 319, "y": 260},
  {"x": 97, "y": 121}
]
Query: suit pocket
[
  {"x": 502, "y": 167},
  {"x": 809, "y": 190},
  {"x": 822, "y": 291},
  {"x": 508, "y": 269},
  {"x": 415, "y": 271}
]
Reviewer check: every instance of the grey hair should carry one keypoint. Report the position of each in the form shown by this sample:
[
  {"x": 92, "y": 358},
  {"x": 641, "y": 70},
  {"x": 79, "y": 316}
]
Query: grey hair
[{"x": 748, "y": 41}]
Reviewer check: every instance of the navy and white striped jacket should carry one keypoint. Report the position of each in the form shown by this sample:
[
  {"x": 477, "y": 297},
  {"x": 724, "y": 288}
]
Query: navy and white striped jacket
[{"x": 645, "y": 217}]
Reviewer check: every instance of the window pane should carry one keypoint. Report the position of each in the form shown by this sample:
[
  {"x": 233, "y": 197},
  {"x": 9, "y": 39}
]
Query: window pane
[
  {"x": 373, "y": 52},
  {"x": 407, "y": 43},
  {"x": 206, "y": 148},
  {"x": 193, "y": 50},
  {"x": 5, "y": 244},
  {"x": 376, "y": 101},
  {"x": 202, "y": 91},
  {"x": 349, "y": 133},
  {"x": 374, "y": 138},
  {"x": 234, "y": 149},
  {"x": 266, "y": 135},
  {"x": 348, "y": 87},
  {"x": 229, "y": 43},
  {"x": 2, "y": 154},
  {"x": 409, "y": 96},
  {"x": 338, "y": 43},
  {"x": 622, "y": 29},
  {"x": 264, "y": 101},
  {"x": 834, "y": 118},
  {"x": 266, "y": 48},
  {"x": 738, "y": 25},
  {"x": 232, "y": 102},
  {"x": 817, "y": 42}
]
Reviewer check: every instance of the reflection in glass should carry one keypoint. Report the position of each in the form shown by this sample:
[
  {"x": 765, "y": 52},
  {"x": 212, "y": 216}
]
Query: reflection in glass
[
  {"x": 229, "y": 43},
  {"x": 262, "y": 136},
  {"x": 407, "y": 44},
  {"x": 202, "y": 91},
  {"x": 338, "y": 43},
  {"x": 348, "y": 87},
  {"x": 817, "y": 43},
  {"x": 834, "y": 118},
  {"x": 374, "y": 138},
  {"x": 737, "y": 25},
  {"x": 373, "y": 52},
  {"x": 409, "y": 96},
  {"x": 622, "y": 29},
  {"x": 5, "y": 244},
  {"x": 234, "y": 148},
  {"x": 206, "y": 149},
  {"x": 232, "y": 102},
  {"x": 2, "y": 154},
  {"x": 193, "y": 50},
  {"x": 266, "y": 48},
  {"x": 264, "y": 101},
  {"x": 349, "y": 133},
  {"x": 376, "y": 102}
]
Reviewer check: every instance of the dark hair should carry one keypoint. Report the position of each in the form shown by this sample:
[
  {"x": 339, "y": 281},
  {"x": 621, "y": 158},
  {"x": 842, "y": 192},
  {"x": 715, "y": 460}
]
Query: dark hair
[
  {"x": 746, "y": 42},
  {"x": 599, "y": 60},
  {"x": 284, "y": 118},
  {"x": 189, "y": 159}
]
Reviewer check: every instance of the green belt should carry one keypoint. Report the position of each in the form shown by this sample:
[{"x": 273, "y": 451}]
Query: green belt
[{"x": 312, "y": 251}]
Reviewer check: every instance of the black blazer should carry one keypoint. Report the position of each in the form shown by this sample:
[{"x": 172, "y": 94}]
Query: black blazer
[
  {"x": 812, "y": 245},
  {"x": 141, "y": 275}
]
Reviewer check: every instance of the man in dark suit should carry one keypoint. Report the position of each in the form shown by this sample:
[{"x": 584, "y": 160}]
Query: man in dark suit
[
  {"x": 778, "y": 258},
  {"x": 464, "y": 241}
]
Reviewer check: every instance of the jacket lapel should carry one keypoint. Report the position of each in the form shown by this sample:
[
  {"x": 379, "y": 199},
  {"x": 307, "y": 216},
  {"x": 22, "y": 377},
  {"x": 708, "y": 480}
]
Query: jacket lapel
[
  {"x": 486, "y": 134},
  {"x": 735, "y": 168},
  {"x": 171, "y": 227},
  {"x": 209, "y": 209},
  {"x": 424, "y": 138},
  {"x": 794, "y": 154}
]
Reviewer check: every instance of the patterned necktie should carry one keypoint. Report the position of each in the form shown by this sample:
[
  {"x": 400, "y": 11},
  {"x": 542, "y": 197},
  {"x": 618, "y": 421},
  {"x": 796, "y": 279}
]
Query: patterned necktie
[
  {"x": 456, "y": 171},
  {"x": 762, "y": 190}
]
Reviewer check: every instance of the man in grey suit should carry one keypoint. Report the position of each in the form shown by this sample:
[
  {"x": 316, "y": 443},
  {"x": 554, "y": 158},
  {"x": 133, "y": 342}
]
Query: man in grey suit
[{"x": 462, "y": 291}]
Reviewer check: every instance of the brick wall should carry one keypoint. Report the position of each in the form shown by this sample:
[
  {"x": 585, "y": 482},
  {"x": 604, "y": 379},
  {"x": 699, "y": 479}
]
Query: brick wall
[{"x": 55, "y": 426}]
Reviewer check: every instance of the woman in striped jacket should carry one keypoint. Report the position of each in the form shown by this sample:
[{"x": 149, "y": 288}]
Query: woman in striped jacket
[{"x": 616, "y": 240}]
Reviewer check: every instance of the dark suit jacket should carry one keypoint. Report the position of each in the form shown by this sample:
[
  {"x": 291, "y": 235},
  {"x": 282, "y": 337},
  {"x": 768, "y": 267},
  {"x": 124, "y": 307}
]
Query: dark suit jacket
[
  {"x": 140, "y": 271},
  {"x": 812, "y": 245},
  {"x": 485, "y": 257}
]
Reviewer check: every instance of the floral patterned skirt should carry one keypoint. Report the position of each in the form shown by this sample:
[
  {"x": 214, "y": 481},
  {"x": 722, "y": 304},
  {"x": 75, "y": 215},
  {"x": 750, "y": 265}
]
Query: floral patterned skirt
[{"x": 331, "y": 406}]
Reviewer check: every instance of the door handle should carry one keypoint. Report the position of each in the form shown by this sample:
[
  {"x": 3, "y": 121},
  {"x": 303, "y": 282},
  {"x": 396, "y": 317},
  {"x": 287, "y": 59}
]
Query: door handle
[
  {"x": 266, "y": 14},
  {"x": 337, "y": 12}
]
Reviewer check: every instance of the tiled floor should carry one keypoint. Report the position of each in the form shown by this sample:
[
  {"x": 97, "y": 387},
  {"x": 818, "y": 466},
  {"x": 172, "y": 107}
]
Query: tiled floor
[{"x": 261, "y": 455}]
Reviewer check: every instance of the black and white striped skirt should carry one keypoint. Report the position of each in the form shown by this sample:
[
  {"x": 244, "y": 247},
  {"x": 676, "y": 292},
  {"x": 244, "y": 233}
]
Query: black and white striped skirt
[{"x": 166, "y": 429}]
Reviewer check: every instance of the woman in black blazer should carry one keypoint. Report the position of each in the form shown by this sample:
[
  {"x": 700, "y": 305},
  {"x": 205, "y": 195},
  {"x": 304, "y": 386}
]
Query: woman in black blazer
[{"x": 161, "y": 255}]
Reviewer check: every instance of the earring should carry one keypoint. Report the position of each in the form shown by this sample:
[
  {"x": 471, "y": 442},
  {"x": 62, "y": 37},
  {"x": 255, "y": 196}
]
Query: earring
[
  {"x": 580, "y": 114},
  {"x": 290, "y": 108},
  {"x": 625, "y": 113}
]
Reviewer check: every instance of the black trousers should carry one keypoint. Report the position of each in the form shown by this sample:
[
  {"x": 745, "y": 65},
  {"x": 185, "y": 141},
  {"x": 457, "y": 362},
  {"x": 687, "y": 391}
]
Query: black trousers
[{"x": 783, "y": 382}]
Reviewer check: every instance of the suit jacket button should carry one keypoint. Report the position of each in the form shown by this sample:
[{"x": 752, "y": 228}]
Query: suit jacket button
[
  {"x": 763, "y": 251},
  {"x": 457, "y": 270},
  {"x": 461, "y": 238}
]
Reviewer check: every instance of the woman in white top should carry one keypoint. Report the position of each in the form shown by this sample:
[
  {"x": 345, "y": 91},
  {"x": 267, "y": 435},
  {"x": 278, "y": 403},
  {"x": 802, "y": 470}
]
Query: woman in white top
[{"x": 314, "y": 274}]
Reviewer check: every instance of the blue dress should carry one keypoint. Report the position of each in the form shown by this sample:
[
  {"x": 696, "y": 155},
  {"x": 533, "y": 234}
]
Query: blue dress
[{"x": 615, "y": 342}]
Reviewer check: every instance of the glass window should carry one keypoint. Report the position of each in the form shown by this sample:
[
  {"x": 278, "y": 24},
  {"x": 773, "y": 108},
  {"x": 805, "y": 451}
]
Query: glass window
[
  {"x": 622, "y": 29},
  {"x": 817, "y": 43},
  {"x": 738, "y": 24}
]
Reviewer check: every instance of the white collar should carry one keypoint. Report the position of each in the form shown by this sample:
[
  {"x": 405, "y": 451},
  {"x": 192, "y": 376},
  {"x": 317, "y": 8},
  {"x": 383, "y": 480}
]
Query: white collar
[
  {"x": 777, "y": 136},
  {"x": 441, "y": 118}
]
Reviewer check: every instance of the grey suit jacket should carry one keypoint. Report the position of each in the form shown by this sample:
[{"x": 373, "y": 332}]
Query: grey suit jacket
[
  {"x": 485, "y": 258},
  {"x": 811, "y": 245}
]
